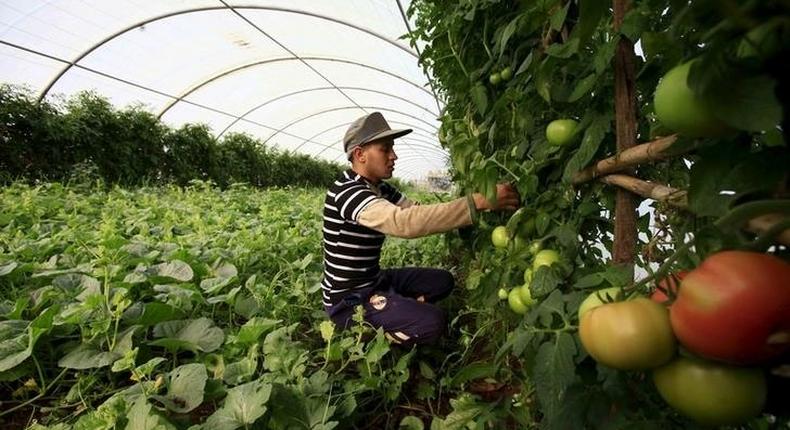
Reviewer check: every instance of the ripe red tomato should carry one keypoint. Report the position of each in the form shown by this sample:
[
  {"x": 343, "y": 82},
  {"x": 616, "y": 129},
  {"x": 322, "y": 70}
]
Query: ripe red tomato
[
  {"x": 711, "y": 393},
  {"x": 630, "y": 335},
  {"x": 669, "y": 284},
  {"x": 735, "y": 307}
]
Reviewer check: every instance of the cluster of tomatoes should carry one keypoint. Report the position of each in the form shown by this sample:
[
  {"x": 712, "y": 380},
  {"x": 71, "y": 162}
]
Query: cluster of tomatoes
[
  {"x": 520, "y": 298},
  {"x": 731, "y": 318}
]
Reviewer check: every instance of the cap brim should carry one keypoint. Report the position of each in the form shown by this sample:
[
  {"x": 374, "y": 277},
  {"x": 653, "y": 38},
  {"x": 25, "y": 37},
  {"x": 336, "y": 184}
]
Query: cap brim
[{"x": 389, "y": 133}]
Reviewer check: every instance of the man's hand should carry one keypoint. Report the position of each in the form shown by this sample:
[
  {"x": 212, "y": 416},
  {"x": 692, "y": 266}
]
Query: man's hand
[{"x": 507, "y": 198}]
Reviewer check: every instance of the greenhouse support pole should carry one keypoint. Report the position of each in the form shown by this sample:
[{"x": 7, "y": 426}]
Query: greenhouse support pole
[{"x": 625, "y": 234}]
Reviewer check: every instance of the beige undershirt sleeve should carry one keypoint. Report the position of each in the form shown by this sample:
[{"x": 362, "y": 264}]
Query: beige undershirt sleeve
[{"x": 416, "y": 220}]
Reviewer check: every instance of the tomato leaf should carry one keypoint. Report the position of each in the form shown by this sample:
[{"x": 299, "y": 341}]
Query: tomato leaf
[
  {"x": 593, "y": 136},
  {"x": 590, "y": 14},
  {"x": 563, "y": 50},
  {"x": 479, "y": 96},
  {"x": 558, "y": 18},
  {"x": 554, "y": 371},
  {"x": 544, "y": 281}
]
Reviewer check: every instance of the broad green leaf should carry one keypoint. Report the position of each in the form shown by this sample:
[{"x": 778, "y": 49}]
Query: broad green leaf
[
  {"x": 554, "y": 371},
  {"x": 89, "y": 356},
  {"x": 242, "y": 407},
  {"x": 590, "y": 14},
  {"x": 558, "y": 18},
  {"x": 473, "y": 371},
  {"x": 7, "y": 268},
  {"x": 593, "y": 136},
  {"x": 564, "y": 50},
  {"x": 589, "y": 281},
  {"x": 18, "y": 338},
  {"x": 185, "y": 390},
  {"x": 583, "y": 87},
  {"x": 727, "y": 173},
  {"x": 148, "y": 314},
  {"x": 176, "y": 270},
  {"x": 411, "y": 423},
  {"x": 253, "y": 329},
  {"x": 507, "y": 33},
  {"x": 748, "y": 104},
  {"x": 240, "y": 371},
  {"x": 147, "y": 368},
  {"x": 214, "y": 285},
  {"x": 142, "y": 417},
  {"x": 377, "y": 349},
  {"x": 480, "y": 98},
  {"x": 635, "y": 22},
  {"x": 194, "y": 335},
  {"x": 544, "y": 281}
]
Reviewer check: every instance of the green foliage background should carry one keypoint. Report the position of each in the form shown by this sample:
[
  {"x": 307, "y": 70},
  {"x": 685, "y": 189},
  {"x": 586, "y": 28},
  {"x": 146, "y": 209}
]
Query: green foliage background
[{"x": 48, "y": 142}]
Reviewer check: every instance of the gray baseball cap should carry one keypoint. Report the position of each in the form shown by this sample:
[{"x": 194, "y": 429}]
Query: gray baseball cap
[{"x": 367, "y": 129}]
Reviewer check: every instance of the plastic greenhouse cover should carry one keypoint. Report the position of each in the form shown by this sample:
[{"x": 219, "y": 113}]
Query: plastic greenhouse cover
[{"x": 292, "y": 73}]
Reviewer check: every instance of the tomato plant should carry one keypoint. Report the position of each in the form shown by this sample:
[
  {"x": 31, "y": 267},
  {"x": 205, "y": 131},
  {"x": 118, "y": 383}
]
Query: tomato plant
[
  {"x": 710, "y": 393},
  {"x": 630, "y": 335},
  {"x": 734, "y": 307}
]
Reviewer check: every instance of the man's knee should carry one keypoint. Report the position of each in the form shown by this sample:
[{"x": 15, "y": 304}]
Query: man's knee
[
  {"x": 427, "y": 329},
  {"x": 446, "y": 283}
]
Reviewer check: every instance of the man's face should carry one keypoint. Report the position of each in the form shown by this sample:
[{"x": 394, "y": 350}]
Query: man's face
[{"x": 378, "y": 157}]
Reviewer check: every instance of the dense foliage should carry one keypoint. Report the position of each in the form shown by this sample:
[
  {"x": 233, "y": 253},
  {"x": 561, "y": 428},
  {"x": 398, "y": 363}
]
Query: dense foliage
[
  {"x": 186, "y": 306},
  {"x": 47, "y": 142},
  {"x": 507, "y": 69}
]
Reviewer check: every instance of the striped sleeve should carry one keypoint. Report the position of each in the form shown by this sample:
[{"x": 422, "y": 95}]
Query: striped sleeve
[{"x": 352, "y": 198}]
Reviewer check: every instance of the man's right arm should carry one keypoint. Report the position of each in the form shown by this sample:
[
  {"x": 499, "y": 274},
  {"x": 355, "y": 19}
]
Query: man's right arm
[{"x": 422, "y": 220}]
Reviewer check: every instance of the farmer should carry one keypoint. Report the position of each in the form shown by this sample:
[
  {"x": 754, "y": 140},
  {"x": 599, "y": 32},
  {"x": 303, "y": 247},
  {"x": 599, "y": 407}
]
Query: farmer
[{"x": 360, "y": 209}]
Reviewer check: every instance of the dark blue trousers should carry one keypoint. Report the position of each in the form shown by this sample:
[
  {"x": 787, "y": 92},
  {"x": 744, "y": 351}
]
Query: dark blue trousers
[{"x": 402, "y": 303}]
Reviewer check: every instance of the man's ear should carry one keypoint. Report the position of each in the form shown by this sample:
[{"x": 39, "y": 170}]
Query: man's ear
[{"x": 358, "y": 154}]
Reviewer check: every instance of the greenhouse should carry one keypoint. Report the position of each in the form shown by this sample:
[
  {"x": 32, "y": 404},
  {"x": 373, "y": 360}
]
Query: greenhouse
[{"x": 394, "y": 214}]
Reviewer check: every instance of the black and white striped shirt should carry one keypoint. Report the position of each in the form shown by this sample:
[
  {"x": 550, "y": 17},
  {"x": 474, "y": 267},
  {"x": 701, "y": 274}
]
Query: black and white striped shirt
[{"x": 351, "y": 251}]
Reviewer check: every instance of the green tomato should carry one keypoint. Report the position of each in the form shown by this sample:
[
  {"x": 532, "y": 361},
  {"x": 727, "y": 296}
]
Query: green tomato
[
  {"x": 545, "y": 257},
  {"x": 561, "y": 132},
  {"x": 495, "y": 78},
  {"x": 595, "y": 299},
  {"x": 499, "y": 237},
  {"x": 630, "y": 335},
  {"x": 502, "y": 294},
  {"x": 679, "y": 109},
  {"x": 516, "y": 304},
  {"x": 528, "y": 275},
  {"x": 506, "y": 74},
  {"x": 535, "y": 247},
  {"x": 526, "y": 295},
  {"x": 713, "y": 394}
]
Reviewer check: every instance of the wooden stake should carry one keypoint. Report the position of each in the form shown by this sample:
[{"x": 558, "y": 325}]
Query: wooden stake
[
  {"x": 678, "y": 198},
  {"x": 650, "y": 151},
  {"x": 625, "y": 233},
  {"x": 648, "y": 190}
]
